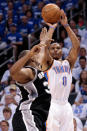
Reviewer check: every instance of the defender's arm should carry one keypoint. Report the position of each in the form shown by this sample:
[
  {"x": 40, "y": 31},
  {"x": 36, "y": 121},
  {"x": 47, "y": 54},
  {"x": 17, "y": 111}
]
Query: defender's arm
[{"x": 21, "y": 74}]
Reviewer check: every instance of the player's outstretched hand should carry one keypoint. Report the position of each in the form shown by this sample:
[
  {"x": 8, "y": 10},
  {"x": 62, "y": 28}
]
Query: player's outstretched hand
[
  {"x": 44, "y": 37},
  {"x": 63, "y": 18},
  {"x": 43, "y": 34}
]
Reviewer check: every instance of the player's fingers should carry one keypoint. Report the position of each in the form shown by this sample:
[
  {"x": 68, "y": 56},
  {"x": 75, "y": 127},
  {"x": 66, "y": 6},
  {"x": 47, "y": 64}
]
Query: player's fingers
[
  {"x": 62, "y": 14},
  {"x": 41, "y": 32},
  {"x": 45, "y": 30}
]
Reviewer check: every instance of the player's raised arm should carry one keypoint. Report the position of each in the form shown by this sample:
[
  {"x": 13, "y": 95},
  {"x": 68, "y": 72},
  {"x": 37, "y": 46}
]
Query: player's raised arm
[
  {"x": 46, "y": 36},
  {"x": 75, "y": 42},
  {"x": 18, "y": 72}
]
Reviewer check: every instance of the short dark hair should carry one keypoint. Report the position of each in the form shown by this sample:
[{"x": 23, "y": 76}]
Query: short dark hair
[{"x": 82, "y": 57}]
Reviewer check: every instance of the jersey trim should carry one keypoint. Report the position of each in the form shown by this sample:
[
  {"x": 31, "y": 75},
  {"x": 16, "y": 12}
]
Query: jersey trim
[
  {"x": 28, "y": 119},
  {"x": 49, "y": 67}
]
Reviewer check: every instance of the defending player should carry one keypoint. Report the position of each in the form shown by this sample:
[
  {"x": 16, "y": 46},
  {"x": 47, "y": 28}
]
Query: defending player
[
  {"x": 32, "y": 112},
  {"x": 59, "y": 80}
]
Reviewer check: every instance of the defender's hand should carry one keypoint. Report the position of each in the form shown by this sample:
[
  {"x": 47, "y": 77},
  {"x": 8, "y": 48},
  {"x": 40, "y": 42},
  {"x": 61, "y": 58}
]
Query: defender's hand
[
  {"x": 44, "y": 37},
  {"x": 43, "y": 34}
]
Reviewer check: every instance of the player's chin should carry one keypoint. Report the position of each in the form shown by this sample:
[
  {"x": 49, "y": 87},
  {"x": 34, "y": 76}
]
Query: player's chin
[{"x": 56, "y": 57}]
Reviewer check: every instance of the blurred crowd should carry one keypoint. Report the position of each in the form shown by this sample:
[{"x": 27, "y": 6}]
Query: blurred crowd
[{"x": 18, "y": 19}]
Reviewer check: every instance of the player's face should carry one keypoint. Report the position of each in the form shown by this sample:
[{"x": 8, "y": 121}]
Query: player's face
[{"x": 55, "y": 51}]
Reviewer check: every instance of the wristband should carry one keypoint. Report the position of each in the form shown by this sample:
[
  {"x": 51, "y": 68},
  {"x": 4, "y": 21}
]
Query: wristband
[
  {"x": 52, "y": 27},
  {"x": 66, "y": 25}
]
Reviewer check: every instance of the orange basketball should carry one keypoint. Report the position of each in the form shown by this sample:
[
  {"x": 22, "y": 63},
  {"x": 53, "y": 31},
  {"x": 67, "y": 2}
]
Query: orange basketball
[{"x": 51, "y": 13}]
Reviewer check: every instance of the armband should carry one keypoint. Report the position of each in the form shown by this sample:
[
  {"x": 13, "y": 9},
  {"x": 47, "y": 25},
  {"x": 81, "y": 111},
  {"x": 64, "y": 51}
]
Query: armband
[
  {"x": 66, "y": 25},
  {"x": 52, "y": 27}
]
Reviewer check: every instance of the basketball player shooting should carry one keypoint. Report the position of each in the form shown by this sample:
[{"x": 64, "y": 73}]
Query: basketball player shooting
[
  {"x": 33, "y": 109},
  {"x": 60, "y": 116}
]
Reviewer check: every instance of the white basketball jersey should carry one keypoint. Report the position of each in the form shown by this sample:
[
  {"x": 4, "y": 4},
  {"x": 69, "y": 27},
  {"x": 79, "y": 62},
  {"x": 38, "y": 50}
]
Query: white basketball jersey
[{"x": 59, "y": 80}]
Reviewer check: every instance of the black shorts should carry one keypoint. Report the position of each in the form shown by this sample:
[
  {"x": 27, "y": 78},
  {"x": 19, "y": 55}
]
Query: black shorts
[{"x": 27, "y": 122}]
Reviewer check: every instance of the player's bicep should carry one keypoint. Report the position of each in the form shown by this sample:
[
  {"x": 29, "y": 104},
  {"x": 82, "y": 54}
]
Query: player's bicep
[
  {"x": 24, "y": 75},
  {"x": 72, "y": 57}
]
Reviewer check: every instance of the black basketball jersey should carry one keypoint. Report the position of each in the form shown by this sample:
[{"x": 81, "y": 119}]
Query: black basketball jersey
[{"x": 35, "y": 97}]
